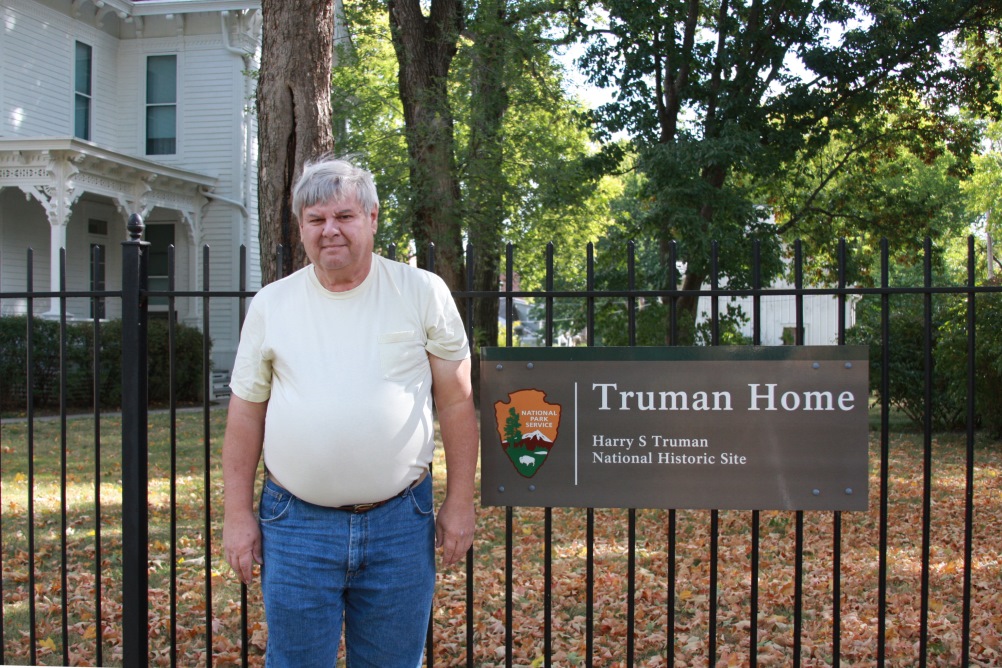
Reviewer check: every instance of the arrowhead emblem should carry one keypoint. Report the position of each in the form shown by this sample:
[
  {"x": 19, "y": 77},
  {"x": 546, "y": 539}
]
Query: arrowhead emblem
[{"x": 527, "y": 425}]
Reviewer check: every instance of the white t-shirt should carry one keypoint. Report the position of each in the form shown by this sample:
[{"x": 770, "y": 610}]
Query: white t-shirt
[{"x": 347, "y": 379}]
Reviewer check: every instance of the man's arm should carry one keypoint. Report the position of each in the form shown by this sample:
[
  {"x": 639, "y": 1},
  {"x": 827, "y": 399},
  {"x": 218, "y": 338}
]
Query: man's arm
[
  {"x": 242, "y": 446},
  {"x": 457, "y": 418}
]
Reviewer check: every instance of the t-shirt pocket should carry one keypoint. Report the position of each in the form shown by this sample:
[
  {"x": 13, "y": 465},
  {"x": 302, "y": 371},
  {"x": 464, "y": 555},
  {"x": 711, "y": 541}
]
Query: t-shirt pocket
[{"x": 401, "y": 354}]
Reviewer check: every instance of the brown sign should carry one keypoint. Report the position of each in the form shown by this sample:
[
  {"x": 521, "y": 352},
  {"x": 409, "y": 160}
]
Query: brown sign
[{"x": 782, "y": 428}]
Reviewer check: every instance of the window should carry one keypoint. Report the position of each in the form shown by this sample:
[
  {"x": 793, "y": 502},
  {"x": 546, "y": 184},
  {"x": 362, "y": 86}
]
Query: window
[
  {"x": 97, "y": 227},
  {"x": 160, "y": 238},
  {"x": 82, "y": 91},
  {"x": 161, "y": 105}
]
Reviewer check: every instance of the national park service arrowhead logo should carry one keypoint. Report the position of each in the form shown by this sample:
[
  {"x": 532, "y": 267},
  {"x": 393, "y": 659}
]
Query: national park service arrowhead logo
[{"x": 528, "y": 427}]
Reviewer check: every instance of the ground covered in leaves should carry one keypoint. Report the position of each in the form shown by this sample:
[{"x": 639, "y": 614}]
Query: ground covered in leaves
[{"x": 919, "y": 603}]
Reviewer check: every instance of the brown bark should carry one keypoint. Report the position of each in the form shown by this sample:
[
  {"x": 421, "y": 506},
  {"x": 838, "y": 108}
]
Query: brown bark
[
  {"x": 294, "y": 118},
  {"x": 425, "y": 47},
  {"x": 485, "y": 183}
]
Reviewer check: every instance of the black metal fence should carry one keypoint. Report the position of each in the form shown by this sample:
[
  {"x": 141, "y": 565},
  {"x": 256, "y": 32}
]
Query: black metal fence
[{"x": 109, "y": 529}]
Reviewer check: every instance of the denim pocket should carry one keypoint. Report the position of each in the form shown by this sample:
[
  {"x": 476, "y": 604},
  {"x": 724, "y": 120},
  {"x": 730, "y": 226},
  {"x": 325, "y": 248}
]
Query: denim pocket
[
  {"x": 275, "y": 503},
  {"x": 422, "y": 498}
]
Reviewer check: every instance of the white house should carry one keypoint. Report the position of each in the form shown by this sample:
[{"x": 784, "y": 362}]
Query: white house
[
  {"x": 778, "y": 315},
  {"x": 113, "y": 107}
]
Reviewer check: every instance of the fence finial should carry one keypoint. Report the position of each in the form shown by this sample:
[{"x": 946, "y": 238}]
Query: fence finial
[{"x": 135, "y": 227}]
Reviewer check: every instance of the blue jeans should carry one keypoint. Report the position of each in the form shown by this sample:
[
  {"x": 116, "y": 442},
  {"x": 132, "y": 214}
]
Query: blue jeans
[{"x": 373, "y": 571}]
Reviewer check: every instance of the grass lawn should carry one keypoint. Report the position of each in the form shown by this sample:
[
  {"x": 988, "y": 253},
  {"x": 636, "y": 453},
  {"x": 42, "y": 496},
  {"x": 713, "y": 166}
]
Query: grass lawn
[{"x": 180, "y": 554}]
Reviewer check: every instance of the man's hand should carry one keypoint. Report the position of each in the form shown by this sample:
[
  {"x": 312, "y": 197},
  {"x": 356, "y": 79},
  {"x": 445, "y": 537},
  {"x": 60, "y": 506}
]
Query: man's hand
[
  {"x": 454, "y": 528},
  {"x": 242, "y": 544}
]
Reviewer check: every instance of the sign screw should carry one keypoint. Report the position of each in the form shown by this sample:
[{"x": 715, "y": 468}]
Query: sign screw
[
  {"x": 500, "y": 367},
  {"x": 848, "y": 365},
  {"x": 848, "y": 490},
  {"x": 530, "y": 365},
  {"x": 532, "y": 488},
  {"x": 816, "y": 492},
  {"x": 501, "y": 488},
  {"x": 816, "y": 365}
]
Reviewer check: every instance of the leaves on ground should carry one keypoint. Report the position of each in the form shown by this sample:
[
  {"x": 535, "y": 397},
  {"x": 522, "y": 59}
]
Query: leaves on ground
[{"x": 686, "y": 628}]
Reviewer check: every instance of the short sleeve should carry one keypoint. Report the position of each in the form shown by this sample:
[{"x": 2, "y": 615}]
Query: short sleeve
[
  {"x": 251, "y": 377},
  {"x": 443, "y": 325}
]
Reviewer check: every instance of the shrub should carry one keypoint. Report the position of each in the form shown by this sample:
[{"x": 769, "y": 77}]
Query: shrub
[
  {"x": 906, "y": 363},
  {"x": 46, "y": 367},
  {"x": 987, "y": 355}
]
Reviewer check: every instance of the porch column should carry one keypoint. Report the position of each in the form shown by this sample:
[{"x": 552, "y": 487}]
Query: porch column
[
  {"x": 57, "y": 241},
  {"x": 58, "y": 200}
]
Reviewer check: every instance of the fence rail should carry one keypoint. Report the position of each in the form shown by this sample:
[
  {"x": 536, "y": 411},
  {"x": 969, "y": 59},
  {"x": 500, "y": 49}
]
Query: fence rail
[{"x": 712, "y": 575}]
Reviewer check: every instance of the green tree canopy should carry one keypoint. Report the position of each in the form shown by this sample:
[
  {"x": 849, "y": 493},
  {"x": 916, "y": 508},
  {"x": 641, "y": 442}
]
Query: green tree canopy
[
  {"x": 893, "y": 178},
  {"x": 521, "y": 144},
  {"x": 717, "y": 96}
]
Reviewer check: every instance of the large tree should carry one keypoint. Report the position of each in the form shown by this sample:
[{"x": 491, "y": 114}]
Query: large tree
[
  {"x": 458, "y": 65},
  {"x": 485, "y": 184},
  {"x": 425, "y": 46},
  {"x": 525, "y": 176},
  {"x": 717, "y": 94},
  {"x": 294, "y": 117}
]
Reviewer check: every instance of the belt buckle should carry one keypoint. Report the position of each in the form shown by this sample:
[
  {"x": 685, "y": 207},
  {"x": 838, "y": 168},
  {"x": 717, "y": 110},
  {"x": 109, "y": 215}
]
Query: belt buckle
[{"x": 359, "y": 508}]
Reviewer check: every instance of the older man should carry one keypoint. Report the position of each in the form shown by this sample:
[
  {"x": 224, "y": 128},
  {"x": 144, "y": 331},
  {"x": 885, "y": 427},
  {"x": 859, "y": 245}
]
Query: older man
[{"x": 334, "y": 381}]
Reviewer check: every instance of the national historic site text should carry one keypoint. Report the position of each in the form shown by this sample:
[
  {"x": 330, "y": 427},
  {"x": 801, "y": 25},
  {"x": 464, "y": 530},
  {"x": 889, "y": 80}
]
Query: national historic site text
[{"x": 658, "y": 449}]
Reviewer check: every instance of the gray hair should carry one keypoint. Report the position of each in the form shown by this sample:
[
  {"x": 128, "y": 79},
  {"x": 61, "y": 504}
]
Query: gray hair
[{"x": 329, "y": 179}]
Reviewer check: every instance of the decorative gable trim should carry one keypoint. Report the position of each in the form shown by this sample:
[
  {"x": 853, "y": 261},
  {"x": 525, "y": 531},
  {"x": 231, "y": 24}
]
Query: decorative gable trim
[{"x": 56, "y": 172}]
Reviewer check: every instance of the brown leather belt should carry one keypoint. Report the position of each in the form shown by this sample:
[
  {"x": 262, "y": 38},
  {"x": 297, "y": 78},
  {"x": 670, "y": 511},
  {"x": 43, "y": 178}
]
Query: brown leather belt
[{"x": 360, "y": 508}]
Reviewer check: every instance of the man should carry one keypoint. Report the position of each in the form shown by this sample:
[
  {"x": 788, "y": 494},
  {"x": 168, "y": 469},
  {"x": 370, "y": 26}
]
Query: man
[{"x": 333, "y": 382}]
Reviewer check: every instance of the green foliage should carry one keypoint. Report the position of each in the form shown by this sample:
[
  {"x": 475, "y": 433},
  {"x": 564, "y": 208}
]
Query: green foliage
[
  {"x": 953, "y": 354},
  {"x": 46, "y": 368},
  {"x": 728, "y": 109},
  {"x": 612, "y": 328},
  {"x": 983, "y": 188},
  {"x": 677, "y": 197},
  {"x": 729, "y": 326},
  {"x": 368, "y": 116},
  {"x": 548, "y": 193},
  {"x": 652, "y": 320},
  {"x": 891, "y": 178},
  {"x": 947, "y": 345},
  {"x": 906, "y": 381}
]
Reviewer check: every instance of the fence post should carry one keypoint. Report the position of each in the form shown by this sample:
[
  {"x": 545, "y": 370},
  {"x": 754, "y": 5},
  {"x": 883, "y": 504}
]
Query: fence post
[{"x": 135, "y": 512}]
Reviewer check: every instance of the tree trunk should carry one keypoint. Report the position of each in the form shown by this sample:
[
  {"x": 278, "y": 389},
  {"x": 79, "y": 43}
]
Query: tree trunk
[
  {"x": 696, "y": 272},
  {"x": 485, "y": 200},
  {"x": 425, "y": 48},
  {"x": 294, "y": 118}
]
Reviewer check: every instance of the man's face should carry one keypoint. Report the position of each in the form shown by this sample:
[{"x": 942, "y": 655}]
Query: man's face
[{"x": 339, "y": 237}]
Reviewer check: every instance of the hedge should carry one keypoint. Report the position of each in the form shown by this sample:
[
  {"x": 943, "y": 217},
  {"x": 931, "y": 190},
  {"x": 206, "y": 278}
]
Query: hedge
[
  {"x": 79, "y": 363},
  {"x": 949, "y": 344}
]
